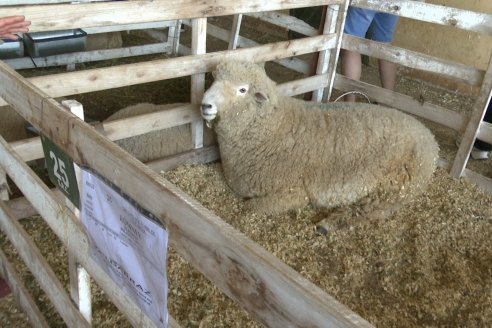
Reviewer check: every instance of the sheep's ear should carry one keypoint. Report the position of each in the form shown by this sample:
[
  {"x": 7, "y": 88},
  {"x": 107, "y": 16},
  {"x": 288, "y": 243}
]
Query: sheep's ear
[{"x": 260, "y": 97}]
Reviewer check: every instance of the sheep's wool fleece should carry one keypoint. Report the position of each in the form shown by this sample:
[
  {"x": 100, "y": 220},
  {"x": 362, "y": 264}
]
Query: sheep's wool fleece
[
  {"x": 285, "y": 152},
  {"x": 231, "y": 71},
  {"x": 250, "y": 72}
]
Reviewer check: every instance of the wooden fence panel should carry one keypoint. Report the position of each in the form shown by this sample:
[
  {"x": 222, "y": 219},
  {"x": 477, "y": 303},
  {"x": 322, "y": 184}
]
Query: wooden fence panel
[{"x": 287, "y": 298}]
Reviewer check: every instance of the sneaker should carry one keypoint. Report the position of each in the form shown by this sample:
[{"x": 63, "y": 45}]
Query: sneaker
[
  {"x": 476, "y": 153},
  {"x": 479, "y": 154}
]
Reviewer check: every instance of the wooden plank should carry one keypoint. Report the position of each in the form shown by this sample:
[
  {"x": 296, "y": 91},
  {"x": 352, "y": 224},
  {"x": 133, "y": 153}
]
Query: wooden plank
[
  {"x": 300, "y": 86},
  {"x": 21, "y": 208},
  {"x": 64, "y": 16},
  {"x": 473, "y": 126},
  {"x": 286, "y": 21},
  {"x": 30, "y": 149},
  {"x": 65, "y": 226},
  {"x": 140, "y": 124},
  {"x": 287, "y": 299},
  {"x": 63, "y": 84},
  {"x": 328, "y": 59},
  {"x": 88, "y": 56},
  {"x": 437, "y": 14},
  {"x": 174, "y": 33},
  {"x": 319, "y": 61},
  {"x": 80, "y": 287},
  {"x": 129, "y": 27},
  {"x": 21, "y": 294},
  {"x": 4, "y": 186},
  {"x": 192, "y": 157},
  {"x": 80, "y": 282},
  {"x": 431, "y": 112},
  {"x": 412, "y": 59},
  {"x": 40, "y": 268},
  {"x": 198, "y": 47},
  {"x": 234, "y": 32}
]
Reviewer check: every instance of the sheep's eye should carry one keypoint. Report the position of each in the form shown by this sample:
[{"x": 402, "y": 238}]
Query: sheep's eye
[{"x": 242, "y": 89}]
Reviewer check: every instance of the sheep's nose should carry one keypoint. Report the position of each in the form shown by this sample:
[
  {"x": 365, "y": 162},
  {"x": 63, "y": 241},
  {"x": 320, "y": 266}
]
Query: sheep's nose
[
  {"x": 205, "y": 107},
  {"x": 208, "y": 111}
]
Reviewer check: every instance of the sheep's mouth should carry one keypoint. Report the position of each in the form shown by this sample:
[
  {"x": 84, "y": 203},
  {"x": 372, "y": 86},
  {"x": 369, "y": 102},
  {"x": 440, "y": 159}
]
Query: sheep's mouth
[
  {"x": 210, "y": 120},
  {"x": 208, "y": 112},
  {"x": 208, "y": 117}
]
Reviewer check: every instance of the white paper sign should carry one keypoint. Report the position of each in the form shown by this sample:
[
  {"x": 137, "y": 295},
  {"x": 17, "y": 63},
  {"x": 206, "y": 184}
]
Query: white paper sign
[{"x": 130, "y": 247}]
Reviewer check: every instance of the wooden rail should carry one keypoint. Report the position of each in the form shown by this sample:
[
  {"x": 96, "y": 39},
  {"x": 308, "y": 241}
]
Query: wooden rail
[{"x": 63, "y": 16}]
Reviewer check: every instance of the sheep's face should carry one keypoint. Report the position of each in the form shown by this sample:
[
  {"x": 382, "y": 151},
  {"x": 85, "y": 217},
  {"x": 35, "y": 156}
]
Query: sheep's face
[
  {"x": 219, "y": 95},
  {"x": 237, "y": 85}
]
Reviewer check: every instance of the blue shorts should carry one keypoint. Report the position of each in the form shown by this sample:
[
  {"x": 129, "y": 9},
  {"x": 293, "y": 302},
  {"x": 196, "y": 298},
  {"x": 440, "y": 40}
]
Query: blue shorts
[{"x": 380, "y": 25}]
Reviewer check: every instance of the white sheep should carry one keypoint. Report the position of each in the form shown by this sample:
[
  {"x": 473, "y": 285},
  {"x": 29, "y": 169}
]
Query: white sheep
[{"x": 282, "y": 153}]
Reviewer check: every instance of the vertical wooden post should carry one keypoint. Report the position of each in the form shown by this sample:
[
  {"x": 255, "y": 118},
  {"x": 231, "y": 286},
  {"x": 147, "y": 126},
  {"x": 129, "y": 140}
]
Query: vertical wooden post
[
  {"x": 198, "y": 46},
  {"x": 4, "y": 195},
  {"x": 328, "y": 59},
  {"x": 473, "y": 125},
  {"x": 4, "y": 187},
  {"x": 173, "y": 36},
  {"x": 80, "y": 285},
  {"x": 314, "y": 61},
  {"x": 234, "y": 35}
]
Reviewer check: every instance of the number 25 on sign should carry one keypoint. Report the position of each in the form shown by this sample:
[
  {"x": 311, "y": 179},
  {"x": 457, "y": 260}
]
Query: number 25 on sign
[{"x": 60, "y": 170}]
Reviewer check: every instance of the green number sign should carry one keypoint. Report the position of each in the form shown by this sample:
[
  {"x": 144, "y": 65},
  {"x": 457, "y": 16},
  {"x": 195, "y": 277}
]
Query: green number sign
[{"x": 61, "y": 170}]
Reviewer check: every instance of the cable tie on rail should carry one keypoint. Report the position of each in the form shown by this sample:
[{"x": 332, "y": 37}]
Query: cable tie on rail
[
  {"x": 333, "y": 7},
  {"x": 353, "y": 92}
]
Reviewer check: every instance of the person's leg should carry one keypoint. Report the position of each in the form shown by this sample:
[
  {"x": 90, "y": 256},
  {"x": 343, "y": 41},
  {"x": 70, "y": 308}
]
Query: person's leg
[
  {"x": 387, "y": 74},
  {"x": 357, "y": 22},
  {"x": 351, "y": 68},
  {"x": 383, "y": 28}
]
